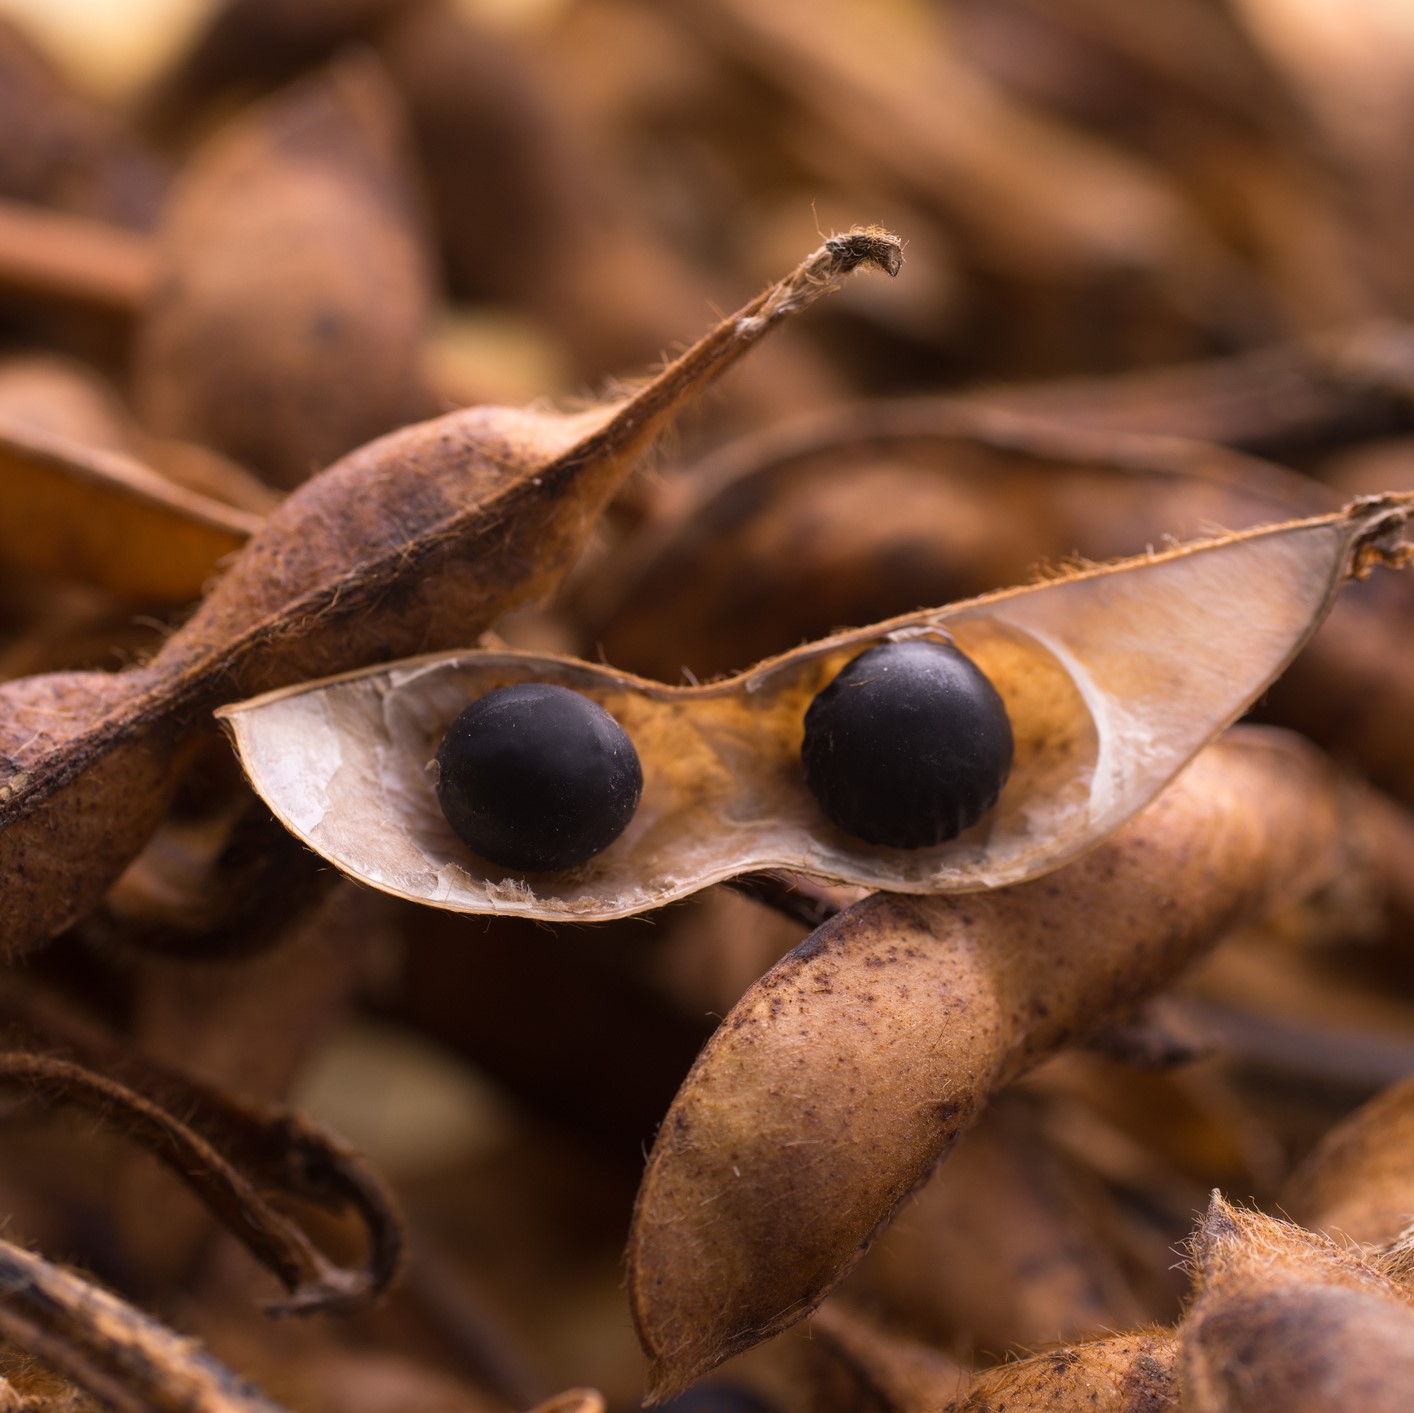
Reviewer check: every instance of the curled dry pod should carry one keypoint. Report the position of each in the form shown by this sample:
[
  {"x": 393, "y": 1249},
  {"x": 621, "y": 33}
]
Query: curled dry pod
[
  {"x": 293, "y": 286},
  {"x": 415, "y": 542},
  {"x": 1127, "y": 1373},
  {"x": 1285, "y": 1319},
  {"x": 840, "y": 1078},
  {"x": 1112, "y": 679}
]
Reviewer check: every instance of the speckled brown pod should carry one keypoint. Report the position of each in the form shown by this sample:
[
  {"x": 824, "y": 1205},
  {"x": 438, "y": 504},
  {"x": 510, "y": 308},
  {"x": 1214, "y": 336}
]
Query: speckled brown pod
[
  {"x": 1112, "y": 678},
  {"x": 842, "y": 1077},
  {"x": 1283, "y": 1318},
  {"x": 411, "y": 543},
  {"x": 293, "y": 286},
  {"x": 1127, "y": 1373}
]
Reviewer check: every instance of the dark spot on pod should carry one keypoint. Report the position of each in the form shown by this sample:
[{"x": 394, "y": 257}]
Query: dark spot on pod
[
  {"x": 537, "y": 777},
  {"x": 908, "y": 746}
]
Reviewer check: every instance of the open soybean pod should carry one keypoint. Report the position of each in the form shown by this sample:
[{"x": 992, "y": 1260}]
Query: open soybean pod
[
  {"x": 1113, "y": 678},
  {"x": 404, "y": 545}
]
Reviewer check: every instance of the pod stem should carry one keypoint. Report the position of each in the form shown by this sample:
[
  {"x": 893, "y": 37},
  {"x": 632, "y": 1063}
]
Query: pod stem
[
  {"x": 822, "y": 272},
  {"x": 121, "y": 1356}
]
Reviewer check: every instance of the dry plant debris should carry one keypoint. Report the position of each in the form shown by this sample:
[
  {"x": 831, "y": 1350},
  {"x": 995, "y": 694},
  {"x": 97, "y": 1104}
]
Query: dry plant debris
[{"x": 309, "y": 437}]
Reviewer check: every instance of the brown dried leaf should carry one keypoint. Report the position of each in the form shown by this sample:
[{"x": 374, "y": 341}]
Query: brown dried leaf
[
  {"x": 417, "y": 541},
  {"x": 845, "y": 1074},
  {"x": 1113, "y": 679}
]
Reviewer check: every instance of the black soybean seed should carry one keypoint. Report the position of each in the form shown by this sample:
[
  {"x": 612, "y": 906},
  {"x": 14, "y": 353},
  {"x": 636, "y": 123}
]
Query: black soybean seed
[
  {"x": 908, "y": 746},
  {"x": 537, "y": 777}
]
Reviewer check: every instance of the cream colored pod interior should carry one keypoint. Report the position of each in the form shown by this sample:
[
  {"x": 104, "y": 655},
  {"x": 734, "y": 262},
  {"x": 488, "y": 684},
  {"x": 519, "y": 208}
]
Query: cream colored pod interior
[{"x": 1113, "y": 677}]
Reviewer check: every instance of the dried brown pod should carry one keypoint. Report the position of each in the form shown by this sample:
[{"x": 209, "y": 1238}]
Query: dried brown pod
[
  {"x": 842, "y": 1077},
  {"x": 495, "y": 135},
  {"x": 572, "y": 1400},
  {"x": 1007, "y": 1249},
  {"x": 1112, "y": 678},
  {"x": 417, "y": 541},
  {"x": 892, "y": 1373},
  {"x": 62, "y": 397},
  {"x": 1286, "y": 398},
  {"x": 1126, "y": 1373},
  {"x": 61, "y": 152},
  {"x": 1352, "y": 77},
  {"x": 1358, "y": 1181},
  {"x": 1284, "y": 1318},
  {"x": 246, "y": 44},
  {"x": 343, "y": 1379},
  {"x": 51, "y": 259},
  {"x": 293, "y": 287},
  {"x": 104, "y": 518},
  {"x": 901, "y": 99},
  {"x": 496, "y": 132}
]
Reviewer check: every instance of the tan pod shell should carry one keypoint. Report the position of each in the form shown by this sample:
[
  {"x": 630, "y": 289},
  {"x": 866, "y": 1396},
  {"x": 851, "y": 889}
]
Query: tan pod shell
[{"x": 1113, "y": 678}]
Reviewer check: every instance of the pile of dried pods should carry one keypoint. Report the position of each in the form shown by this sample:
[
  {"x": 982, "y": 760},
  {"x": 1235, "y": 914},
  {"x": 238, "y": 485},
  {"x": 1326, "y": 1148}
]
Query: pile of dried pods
[{"x": 297, "y": 463}]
